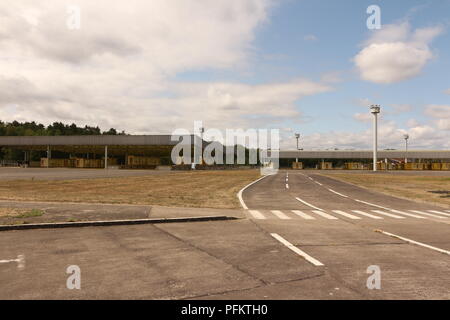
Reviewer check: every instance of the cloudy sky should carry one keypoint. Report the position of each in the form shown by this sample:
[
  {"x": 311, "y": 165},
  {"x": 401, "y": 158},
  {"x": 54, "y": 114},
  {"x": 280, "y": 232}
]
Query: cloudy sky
[{"x": 304, "y": 66}]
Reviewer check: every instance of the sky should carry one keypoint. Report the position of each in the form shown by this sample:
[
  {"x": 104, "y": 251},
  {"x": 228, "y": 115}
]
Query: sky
[{"x": 305, "y": 66}]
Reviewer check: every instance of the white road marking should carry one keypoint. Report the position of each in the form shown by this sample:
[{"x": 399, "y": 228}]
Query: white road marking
[
  {"x": 318, "y": 183},
  {"x": 20, "y": 261},
  {"x": 439, "y": 212},
  {"x": 367, "y": 214},
  {"x": 256, "y": 214},
  {"x": 323, "y": 214},
  {"x": 303, "y": 215},
  {"x": 428, "y": 214},
  {"x": 345, "y": 214},
  {"x": 339, "y": 194},
  {"x": 308, "y": 204},
  {"x": 287, "y": 186},
  {"x": 371, "y": 204},
  {"x": 407, "y": 214},
  {"x": 414, "y": 242},
  {"x": 239, "y": 195},
  {"x": 280, "y": 215},
  {"x": 297, "y": 250},
  {"x": 388, "y": 214},
  {"x": 310, "y": 178}
]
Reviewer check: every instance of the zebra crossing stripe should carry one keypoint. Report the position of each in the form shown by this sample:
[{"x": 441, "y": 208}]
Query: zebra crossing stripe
[
  {"x": 345, "y": 214},
  {"x": 439, "y": 212},
  {"x": 428, "y": 214},
  {"x": 280, "y": 215},
  {"x": 256, "y": 214},
  {"x": 323, "y": 214},
  {"x": 303, "y": 215},
  {"x": 366, "y": 214},
  {"x": 407, "y": 214},
  {"x": 388, "y": 214}
]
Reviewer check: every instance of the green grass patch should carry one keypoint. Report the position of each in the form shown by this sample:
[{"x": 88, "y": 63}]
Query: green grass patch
[{"x": 31, "y": 213}]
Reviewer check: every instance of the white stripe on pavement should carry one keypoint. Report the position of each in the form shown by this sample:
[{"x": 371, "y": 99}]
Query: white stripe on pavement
[
  {"x": 239, "y": 195},
  {"x": 323, "y": 214},
  {"x": 367, "y": 214},
  {"x": 345, "y": 214},
  {"x": 318, "y": 183},
  {"x": 388, "y": 214},
  {"x": 280, "y": 215},
  {"x": 439, "y": 212},
  {"x": 407, "y": 214},
  {"x": 414, "y": 242},
  {"x": 371, "y": 204},
  {"x": 297, "y": 250},
  {"x": 287, "y": 186},
  {"x": 339, "y": 194},
  {"x": 308, "y": 204},
  {"x": 428, "y": 214},
  {"x": 303, "y": 215},
  {"x": 256, "y": 214}
]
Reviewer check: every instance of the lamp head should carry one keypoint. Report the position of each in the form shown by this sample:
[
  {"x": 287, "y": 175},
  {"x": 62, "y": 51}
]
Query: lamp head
[
  {"x": 406, "y": 136},
  {"x": 375, "y": 108},
  {"x": 297, "y": 135}
]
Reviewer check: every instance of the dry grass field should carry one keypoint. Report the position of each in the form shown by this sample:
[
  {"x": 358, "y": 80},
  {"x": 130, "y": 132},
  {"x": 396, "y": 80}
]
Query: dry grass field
[
  {"x": 203, "y": 189},
  {"x": 425, "y": 188}
]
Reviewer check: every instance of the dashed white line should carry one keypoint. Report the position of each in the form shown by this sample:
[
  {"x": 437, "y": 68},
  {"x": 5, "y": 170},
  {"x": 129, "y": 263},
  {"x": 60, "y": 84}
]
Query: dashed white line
[
  {"x": 371, "y": 204},
  {"x": 407, "y": 214},
  {"x": 388, "y": 214},
  {"x": 303, "y": 215},
  {"x": 345, "y": 214},
  {"x": 439, "y": 212},
  {"x": 414, "y": 242},
  {"x": 339, "y": 194},
  {"x": 280, "y": 214},
  {"x": 318, "y": 183},
  {"x": 301, "y": 253},
  {"x": 428, "y": 214},
  {"x": 287, "y": 186},
  {"x": 308, "y": 204},
  {"x": 323, "y": 214},
  {"x": 366, "y": 214},
  {"x": 256, "y": 214}
]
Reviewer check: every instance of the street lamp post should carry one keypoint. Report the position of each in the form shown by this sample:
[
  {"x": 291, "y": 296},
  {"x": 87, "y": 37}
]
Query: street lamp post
[
  {"x": 297, "y": 136},
  {"x": 375, "y": 110},
  {"x": 406, "y": 137}
]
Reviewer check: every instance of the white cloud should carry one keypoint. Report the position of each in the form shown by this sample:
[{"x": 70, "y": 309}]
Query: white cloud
[
  {"x": 363, "y": 117},
  {"x": 395, "y": 53},
  {"x": 447, "y": 91},
  {"x": 118, "y": 69},
  {"x": 441, "y": 115},
  {"x": 310, "y": 37}
]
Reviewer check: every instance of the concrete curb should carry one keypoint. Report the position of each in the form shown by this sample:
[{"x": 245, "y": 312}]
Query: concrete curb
[{"x": 111, "y": 223}]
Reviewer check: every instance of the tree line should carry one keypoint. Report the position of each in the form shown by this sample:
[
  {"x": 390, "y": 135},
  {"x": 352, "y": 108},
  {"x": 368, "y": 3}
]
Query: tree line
[{"x": 16, "y": 128}]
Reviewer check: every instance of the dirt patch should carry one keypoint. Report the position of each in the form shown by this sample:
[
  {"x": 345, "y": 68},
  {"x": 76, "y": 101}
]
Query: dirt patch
[
  {"x": 424, "y": 188},
  {"x": 202, "y": 189}
]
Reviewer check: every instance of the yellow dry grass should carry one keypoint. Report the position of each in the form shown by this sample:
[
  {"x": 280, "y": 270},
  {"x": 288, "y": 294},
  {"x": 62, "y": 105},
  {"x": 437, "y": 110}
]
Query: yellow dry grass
[
  {"x": 204, "y": 189},
  {"x": 431, "y": 189}
]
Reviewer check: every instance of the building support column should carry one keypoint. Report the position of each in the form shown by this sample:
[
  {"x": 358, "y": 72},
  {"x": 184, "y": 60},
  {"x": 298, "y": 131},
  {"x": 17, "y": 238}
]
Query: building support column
[
  {"x": 106, "y": 157},
  {"x": 49, "y": 156}
]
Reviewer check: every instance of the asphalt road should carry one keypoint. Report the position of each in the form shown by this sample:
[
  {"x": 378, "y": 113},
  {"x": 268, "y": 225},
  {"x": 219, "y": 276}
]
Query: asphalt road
[{"x": 284, "y": 249}]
